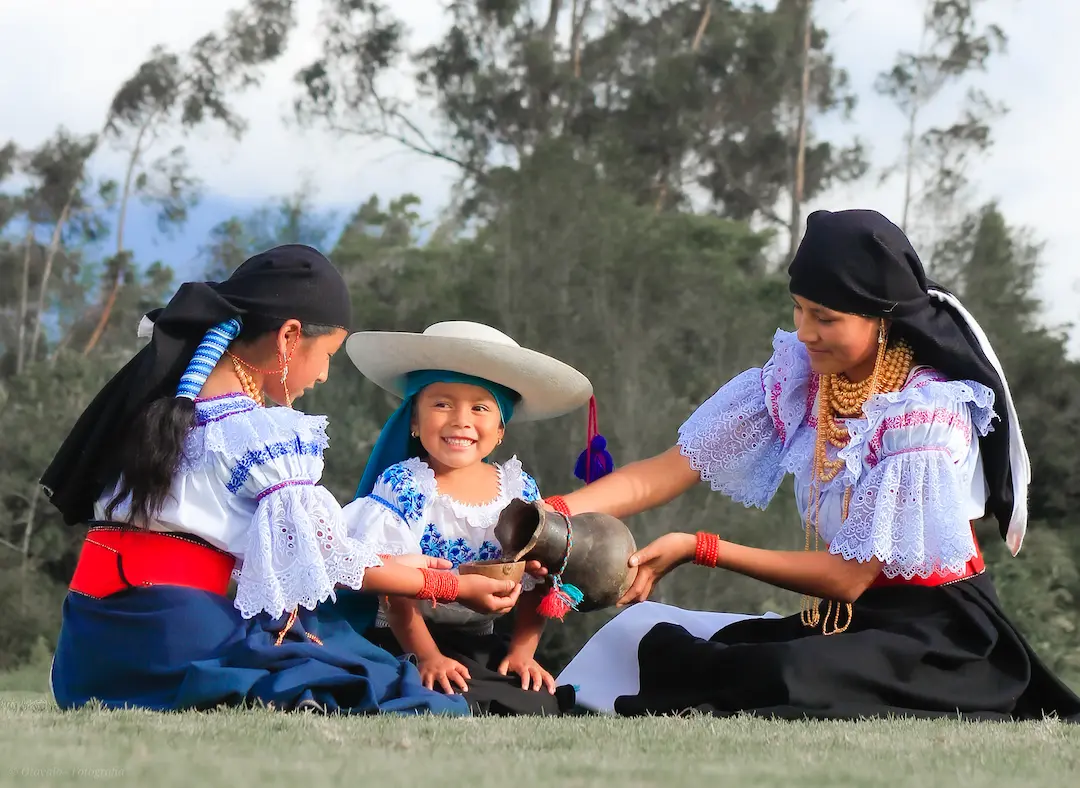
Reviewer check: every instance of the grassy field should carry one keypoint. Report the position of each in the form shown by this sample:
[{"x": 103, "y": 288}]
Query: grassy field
[{"x": 39, "y": 745}]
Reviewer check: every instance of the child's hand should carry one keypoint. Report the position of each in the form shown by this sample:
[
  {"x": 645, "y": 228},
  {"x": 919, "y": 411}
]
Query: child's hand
[
  {"x": 486, "y": 594},
  {"x": 532, "y": 675},
  {"x": 443, "y": 670},
  {"x": 536, "y": 569}
]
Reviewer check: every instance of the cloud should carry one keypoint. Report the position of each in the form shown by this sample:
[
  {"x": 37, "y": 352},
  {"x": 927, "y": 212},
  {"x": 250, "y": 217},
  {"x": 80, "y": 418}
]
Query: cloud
[{"x": 63, "y": 59}]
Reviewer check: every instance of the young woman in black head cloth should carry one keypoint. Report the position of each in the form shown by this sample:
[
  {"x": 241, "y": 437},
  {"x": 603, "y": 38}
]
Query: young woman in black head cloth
[
  {"x": 186, "y": 480},
  {"x": 891, "y": 411}
]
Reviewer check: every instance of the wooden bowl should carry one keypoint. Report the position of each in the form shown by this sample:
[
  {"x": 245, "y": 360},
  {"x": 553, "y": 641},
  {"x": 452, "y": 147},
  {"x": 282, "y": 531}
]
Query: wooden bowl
[{"x": 496, "y": 568}]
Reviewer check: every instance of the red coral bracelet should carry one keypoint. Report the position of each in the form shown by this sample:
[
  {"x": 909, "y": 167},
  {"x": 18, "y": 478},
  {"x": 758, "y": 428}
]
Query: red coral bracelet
[
  {"x": 707, "y": 551},
  {"x": 558, "y": 503},
  {"x": 439, "y": 586}
]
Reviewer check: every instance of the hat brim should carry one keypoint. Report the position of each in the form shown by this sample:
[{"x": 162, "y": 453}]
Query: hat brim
[{"x": 548, "y": 387}]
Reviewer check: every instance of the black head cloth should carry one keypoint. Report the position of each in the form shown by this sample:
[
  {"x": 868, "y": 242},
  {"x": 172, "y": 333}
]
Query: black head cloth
[
  {"x": 858, "y": 262},
  {"x": 283, "y": 283}
]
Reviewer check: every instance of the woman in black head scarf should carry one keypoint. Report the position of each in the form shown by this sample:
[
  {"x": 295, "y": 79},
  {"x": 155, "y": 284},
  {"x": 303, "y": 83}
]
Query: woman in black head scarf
[
  {"x": 891, "y": 411},
  {"x": 187, "y": 480}
]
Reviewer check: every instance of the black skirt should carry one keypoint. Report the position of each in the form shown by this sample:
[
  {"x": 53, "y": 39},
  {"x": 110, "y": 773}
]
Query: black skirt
[
  {"x": 910, "y": 651},
  {"x": 489, "y": 691}
]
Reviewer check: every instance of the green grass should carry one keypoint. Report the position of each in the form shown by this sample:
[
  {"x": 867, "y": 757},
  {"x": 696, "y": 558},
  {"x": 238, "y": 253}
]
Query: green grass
[{"x": 42, "y": 746}]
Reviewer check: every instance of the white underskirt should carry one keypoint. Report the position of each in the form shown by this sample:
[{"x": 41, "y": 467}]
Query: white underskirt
[{"x": 607, "y": 666}]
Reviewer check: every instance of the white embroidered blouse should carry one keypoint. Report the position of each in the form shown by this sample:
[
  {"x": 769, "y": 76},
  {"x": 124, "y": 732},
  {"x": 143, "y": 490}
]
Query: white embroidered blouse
[
  {"x": 249, "y": 485},
  {"x": 405, "y": 514},
  {"x": 913, "y": 461}
]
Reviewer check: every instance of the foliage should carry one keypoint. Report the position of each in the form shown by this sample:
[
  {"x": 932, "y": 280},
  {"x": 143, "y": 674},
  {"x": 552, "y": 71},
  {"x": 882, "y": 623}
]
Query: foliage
[{"x": 623, "y": 166}]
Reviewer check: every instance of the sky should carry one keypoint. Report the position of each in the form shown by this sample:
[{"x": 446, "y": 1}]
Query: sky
[{"x": 63, "y": 60}]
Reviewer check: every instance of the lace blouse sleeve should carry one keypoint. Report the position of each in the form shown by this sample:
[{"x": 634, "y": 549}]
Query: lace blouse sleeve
[
  {"x": 923, "y": 485},
  {"x": 390, "y": 519},
  {"x": 297, "y": 548},
  {"x": 737, "y": 439}
]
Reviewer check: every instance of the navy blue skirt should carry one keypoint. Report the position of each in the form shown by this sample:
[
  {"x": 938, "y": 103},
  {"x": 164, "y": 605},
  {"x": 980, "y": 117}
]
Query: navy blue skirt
[{"x": 170, "y": 648}]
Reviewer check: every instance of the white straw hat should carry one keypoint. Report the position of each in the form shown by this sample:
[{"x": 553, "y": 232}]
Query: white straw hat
[{"x": 547, "y": 386}]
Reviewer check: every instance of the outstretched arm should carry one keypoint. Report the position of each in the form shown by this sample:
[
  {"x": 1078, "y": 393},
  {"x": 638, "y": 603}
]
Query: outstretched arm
[
  {"x": 636, "y": 487},
  {"x": 476, "y": 592},
  {"x": 823, "y": 575}
]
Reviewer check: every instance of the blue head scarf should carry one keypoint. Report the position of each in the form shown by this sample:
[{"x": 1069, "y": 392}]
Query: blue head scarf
[{"x": 395, "y": 443}]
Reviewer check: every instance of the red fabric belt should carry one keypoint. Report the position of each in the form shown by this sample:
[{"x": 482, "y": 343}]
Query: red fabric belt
[
  {"x": 976, "y": 566},
  {"x": 115, "y": 559}
]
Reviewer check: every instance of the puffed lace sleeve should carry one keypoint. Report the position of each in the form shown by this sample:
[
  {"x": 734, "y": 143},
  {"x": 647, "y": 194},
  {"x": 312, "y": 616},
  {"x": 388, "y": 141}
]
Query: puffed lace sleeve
[
  {"x": 917, "y": 479},
  {"x": 737, "y": 439},
  {"x": 297, "y": 548},
  {"x": 391, "y": 518},
  {"x": 518, "y": 483}
]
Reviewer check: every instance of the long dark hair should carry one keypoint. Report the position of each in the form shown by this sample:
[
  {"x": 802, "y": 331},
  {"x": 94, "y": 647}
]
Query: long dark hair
[{"x": 153, "y": 446}]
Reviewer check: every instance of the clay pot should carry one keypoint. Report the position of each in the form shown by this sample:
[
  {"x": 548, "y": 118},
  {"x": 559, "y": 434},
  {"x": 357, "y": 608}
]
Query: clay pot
[
  {"x": 497, "y": 568},
  {"x": 597, "y": 564}
]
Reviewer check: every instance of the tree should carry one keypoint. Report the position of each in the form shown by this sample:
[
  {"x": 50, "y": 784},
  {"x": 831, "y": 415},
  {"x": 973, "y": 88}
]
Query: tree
[
  {"x": 291, "y": 219},
  {"x": 663, "y": 97},
  {"x": 59, "y": 195},
  {"x": 171, "y": 91},
  {"x": 994, "y": 268},
  {"x": 935, "y": 158},
  {"x": 798, "y": 176}
]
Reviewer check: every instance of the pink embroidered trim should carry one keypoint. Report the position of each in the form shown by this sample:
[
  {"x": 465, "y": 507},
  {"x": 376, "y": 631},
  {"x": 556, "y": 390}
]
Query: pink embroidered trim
[
  {"x": 914, "y": 449},
  {"x": 774, "y": 410},
  {"x": 811, "y": 401},
  {"x": 282, "y": 485},
  {"x": 924, "y": 377},
  {"x": 919, "y": 418}
]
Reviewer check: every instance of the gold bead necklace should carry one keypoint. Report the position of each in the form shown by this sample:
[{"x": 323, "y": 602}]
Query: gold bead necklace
[
  {"x": 839, "y": 397},
  {"x": 247, "y": 383}
]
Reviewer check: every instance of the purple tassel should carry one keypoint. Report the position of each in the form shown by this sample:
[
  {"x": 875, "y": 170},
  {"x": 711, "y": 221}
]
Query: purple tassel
[{"x": 595, "y": 460}]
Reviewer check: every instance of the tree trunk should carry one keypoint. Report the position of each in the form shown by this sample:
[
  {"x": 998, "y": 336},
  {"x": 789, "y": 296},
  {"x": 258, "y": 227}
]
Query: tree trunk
[
  {"x": 552, "y": 24},
  {"x": 118, "y": 274},
  {"x": 909, "y": 164},
  {"x": 50, "y": 257},
  {"x": 63, "y": 343},
  {"x": 706, "y": 14},
  {"x": 577, "y": 33},
  {"x": 699, "y": 34},
  {"x": 28, "y": 531},
  {"x": 24, "y": 302},
  {"x": 798, "y": 181},
  {"x": 913, "y": 116}
]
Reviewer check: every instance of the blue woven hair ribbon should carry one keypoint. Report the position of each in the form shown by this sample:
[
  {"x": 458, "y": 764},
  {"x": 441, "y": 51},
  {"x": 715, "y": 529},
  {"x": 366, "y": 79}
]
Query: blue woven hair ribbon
[
  {"x": 394, "y": 445},
  {"x": 207, "y": 354}
]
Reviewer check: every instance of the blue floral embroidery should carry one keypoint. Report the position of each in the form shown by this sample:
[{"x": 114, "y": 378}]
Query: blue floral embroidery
[
  {"x": 529, "y": 491},
  {"x": 410, "y": 500},
  {"x": 456, "y": 551},
  {"x": 296, "y": 448},
  {"x": 388, "y": 505},
  {"x": 219, "y": 408}
]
